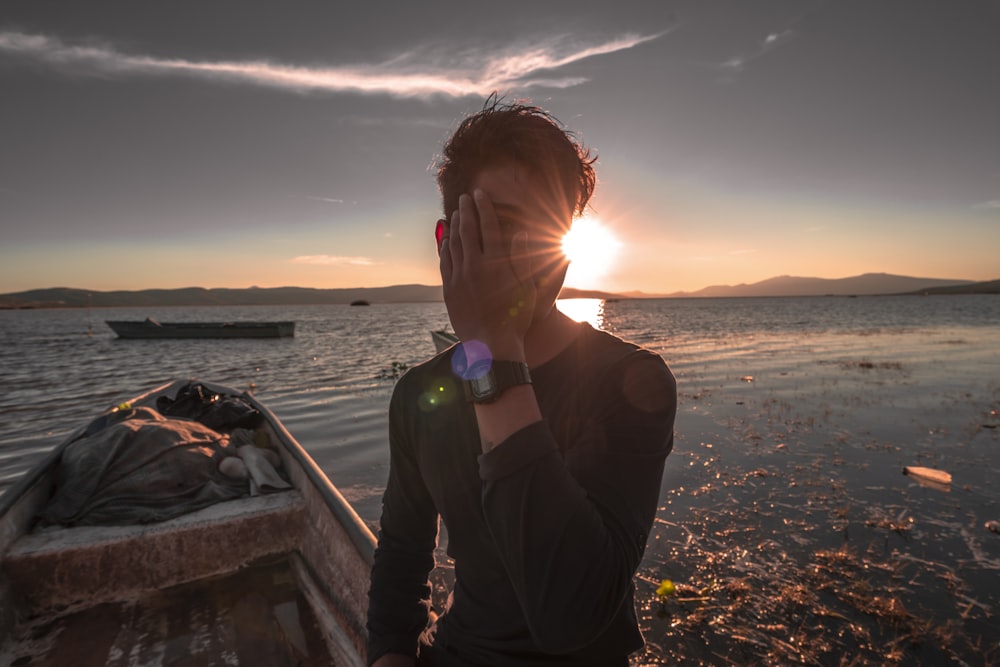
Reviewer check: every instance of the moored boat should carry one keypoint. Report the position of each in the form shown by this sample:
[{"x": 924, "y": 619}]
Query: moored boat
[
  {"x": 443, "y": 339},
  {"x": 277, "y": 578},
  {"x": 150, "y": 328}
]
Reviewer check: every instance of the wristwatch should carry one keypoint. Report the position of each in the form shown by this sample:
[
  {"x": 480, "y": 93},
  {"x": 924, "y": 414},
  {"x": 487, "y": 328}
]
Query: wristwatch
[{"x": 487, "y": 386}]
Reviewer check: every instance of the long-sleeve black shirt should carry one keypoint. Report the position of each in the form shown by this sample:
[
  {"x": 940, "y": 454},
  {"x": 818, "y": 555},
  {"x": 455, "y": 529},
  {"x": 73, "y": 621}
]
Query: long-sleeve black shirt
[{"x": 546, "y": 530}]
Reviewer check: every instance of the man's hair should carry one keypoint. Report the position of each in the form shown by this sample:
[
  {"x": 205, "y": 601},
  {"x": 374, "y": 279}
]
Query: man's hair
[{"x": 519, "y": 134}]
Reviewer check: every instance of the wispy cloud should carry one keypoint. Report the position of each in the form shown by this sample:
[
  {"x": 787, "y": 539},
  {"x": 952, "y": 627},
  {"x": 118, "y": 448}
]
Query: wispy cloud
[
  {"x": 743, "y": 251},
  {"x": 328, "y": 200},
  {"x": 772, "y": 41},
  {"x": 991, "y": 204},
  {"x": 416, "y": 73},
  {"x": 334, "y": 260}
]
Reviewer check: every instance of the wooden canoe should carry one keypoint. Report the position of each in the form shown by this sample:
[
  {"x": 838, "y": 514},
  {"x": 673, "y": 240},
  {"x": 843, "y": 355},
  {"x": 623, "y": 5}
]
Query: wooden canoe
[
  {"x": 150, "y": 328},
  {"x": 443, "y": 339},
  {"x": 277, "y": 579}
]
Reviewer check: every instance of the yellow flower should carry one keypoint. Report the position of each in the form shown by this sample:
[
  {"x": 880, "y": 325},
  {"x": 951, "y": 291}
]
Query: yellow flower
[{"x": 666, "y": 589}]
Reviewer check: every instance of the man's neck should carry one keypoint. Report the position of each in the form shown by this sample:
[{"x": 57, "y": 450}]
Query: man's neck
[{"x": 548, "y": 337}]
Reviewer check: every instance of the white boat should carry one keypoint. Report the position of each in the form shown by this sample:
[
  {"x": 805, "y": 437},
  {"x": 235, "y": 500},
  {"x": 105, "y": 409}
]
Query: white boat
[
  {"x": 272, "y": 579},
  {"x": 443, "y": 339}
]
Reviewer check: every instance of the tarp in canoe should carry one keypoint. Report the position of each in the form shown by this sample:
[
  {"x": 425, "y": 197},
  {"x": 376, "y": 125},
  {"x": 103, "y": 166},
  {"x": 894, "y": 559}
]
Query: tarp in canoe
[{"x": 140, "y": 465}]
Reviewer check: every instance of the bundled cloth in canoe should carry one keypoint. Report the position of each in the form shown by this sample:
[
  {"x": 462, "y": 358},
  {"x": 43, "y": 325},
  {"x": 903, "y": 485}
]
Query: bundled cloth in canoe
[{"x": 138, "y": 465}]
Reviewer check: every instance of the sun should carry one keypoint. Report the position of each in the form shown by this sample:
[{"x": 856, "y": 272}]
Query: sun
[{"x": 591, "y": 249}]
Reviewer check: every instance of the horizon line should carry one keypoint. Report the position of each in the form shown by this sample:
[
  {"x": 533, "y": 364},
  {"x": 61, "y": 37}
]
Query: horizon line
[{"x": 613, "y": 293}]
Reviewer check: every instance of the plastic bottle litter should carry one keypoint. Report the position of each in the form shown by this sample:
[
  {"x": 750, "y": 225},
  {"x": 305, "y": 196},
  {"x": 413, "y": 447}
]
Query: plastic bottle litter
[{"x": 932, "y": 475}]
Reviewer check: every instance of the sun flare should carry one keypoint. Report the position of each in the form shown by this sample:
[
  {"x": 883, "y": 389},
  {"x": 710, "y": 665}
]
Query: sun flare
[{"x": 591, "y": 249}]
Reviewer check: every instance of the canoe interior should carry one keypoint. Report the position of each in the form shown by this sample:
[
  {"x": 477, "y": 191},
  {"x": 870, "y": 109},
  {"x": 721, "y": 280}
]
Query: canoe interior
[
  {"x": 258, "y": 615},
  {"x": 280, "y": 577}
]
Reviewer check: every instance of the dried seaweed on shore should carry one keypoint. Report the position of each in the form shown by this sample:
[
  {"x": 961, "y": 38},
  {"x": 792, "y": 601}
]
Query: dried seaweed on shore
[
  {"x": 779, "y": 564},
  {"x": 840, "y": 606}
]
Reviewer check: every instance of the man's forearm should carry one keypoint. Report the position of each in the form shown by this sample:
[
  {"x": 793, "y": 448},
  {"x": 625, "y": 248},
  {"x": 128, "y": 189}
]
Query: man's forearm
[{"x": 516, "y": 408}]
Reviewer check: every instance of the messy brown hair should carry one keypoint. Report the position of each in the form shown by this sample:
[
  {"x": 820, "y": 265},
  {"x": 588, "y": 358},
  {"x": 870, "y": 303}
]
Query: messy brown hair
[{"x": 523, "y": 135}]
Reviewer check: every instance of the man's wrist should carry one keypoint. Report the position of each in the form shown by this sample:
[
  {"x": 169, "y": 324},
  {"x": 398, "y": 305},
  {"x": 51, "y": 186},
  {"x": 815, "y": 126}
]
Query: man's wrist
[
  {"x": 492, "y": 378},
  {"x": 501, "y": 348},
  {"x": 506, "y": 350}
]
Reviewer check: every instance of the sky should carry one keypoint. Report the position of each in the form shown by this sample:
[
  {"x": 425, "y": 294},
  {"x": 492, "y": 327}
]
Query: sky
[{"x": 249, "y": 143}]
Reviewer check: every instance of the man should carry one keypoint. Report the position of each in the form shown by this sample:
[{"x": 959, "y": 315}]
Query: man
[{"x": 539, "y": 441}]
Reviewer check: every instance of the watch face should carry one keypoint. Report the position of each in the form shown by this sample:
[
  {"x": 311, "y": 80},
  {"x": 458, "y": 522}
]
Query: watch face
[{"x": 483, "y": 386}]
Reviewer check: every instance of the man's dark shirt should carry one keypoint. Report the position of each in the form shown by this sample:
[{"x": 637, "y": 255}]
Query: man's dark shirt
[{"x": 546, "y": 530}]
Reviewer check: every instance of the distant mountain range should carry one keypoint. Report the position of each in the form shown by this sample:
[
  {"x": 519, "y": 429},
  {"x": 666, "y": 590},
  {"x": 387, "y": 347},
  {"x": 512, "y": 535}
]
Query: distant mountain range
[
  {"x": 867, "y": 284},
  {"x": 67, "y": 297}
]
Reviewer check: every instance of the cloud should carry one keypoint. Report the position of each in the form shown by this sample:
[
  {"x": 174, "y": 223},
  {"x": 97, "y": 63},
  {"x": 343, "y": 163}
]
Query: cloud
[
  {"x": 770, "y": 42},
  {"x": 776, "y": 38},
  {"x": 736, "y": 64},
  {"x": 743, "y": 251},
  {"x": 328, "y": 200},
  {"x": 333, "y": 260},
  {"x": 417, "y": 73},
  {"x": 991, "y": 204}
]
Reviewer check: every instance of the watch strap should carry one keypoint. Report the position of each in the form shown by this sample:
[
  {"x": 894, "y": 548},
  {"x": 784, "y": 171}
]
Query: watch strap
[{"x": 510, "y": 374}]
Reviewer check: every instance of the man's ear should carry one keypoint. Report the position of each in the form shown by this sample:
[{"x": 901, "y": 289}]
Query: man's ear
[{"x": 440, "y": 233}]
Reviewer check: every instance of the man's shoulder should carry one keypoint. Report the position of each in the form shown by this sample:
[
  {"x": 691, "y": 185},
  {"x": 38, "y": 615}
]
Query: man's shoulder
[
  {"x": 608, "y": 356},
  {"x": 431, "y": 380},
  {"x": 434, "y": 366},
  {"x": 605, "y": 348}
]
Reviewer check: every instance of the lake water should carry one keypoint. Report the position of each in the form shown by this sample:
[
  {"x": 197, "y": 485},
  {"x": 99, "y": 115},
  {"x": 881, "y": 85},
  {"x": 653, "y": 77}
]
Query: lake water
[{"x": 785, "y": 520}]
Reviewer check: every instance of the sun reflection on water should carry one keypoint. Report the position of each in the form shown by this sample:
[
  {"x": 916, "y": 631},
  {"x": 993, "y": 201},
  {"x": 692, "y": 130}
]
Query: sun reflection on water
[{"x": 583, "y": 310}]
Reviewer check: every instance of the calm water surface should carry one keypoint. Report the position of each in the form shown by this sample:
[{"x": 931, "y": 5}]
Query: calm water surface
[{"x": 796, "y": 417}]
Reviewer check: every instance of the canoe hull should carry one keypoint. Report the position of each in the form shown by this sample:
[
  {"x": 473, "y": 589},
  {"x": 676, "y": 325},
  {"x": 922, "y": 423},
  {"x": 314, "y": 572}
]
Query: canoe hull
[
  {"x": 149, "y": 329},
  {"x": 443, "y": 339}
]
